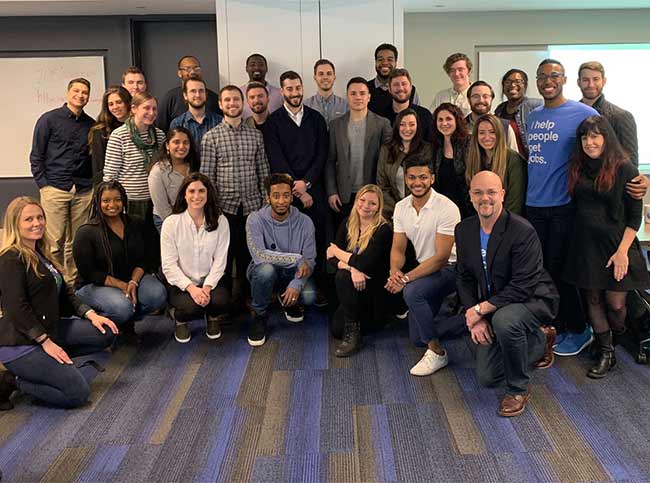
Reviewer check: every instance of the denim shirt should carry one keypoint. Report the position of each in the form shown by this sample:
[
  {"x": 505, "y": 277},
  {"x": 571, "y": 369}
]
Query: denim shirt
[{"x": 521, "y": 116}]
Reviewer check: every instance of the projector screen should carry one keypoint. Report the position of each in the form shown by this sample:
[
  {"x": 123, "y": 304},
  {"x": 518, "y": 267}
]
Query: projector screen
[{"x": 625, "y": 67}]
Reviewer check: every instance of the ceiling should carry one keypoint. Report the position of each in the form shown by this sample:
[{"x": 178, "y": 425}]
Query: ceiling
[{"x": 179, "y": 7}]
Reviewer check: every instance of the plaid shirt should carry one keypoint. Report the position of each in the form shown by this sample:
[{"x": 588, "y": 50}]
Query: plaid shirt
[{"x": 235, "y": 161}]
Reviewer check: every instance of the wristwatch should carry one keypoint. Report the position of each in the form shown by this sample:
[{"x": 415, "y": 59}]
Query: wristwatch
[{"x": 477, "y": 309}]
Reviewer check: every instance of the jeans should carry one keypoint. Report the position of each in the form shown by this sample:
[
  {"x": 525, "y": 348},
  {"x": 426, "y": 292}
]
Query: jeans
[
  {"x": 424, "y": 297},
  {"x": 553, "y": 226},
  {"x": 519, "y": 342},
  {"x": 42, "y": 377},
  {"x": 265, "y": 277},
  {"x": 66, "y": 211},
  {"x": 112, "y": 303}
]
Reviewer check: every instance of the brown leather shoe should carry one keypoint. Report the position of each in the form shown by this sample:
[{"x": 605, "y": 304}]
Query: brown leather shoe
[
  {"x": 513, "y": 405},
  {"x": 547, "y": 360}
]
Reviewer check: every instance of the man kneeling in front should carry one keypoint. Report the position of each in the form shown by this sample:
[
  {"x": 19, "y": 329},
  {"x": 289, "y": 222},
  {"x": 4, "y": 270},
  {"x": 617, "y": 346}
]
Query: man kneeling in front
[{"x": 510, "y": 299}]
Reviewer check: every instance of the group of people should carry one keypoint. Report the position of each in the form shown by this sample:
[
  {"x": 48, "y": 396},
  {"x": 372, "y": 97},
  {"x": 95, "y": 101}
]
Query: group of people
[{"x": 522, "y": 222}]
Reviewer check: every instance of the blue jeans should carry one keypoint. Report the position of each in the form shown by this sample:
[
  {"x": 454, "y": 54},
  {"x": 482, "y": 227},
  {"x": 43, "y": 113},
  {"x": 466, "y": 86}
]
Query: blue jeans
[
  {"x": 42, "y": 377},
  {"x": 519, "y": 342},
  {"x": 265, "y": 277},
  {"x": 112, "y": 303},
  {"x": 424, "y": 297}
]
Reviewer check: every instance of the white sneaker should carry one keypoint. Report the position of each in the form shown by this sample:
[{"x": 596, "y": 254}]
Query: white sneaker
[{"x": 430, "y": 363}]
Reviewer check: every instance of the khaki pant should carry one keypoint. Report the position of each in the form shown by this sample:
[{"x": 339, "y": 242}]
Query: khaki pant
[{"x": 65, "y": 211}]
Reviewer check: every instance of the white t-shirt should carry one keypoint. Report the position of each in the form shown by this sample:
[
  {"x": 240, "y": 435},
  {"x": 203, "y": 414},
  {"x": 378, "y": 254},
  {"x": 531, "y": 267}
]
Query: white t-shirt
[{"x": 438, "y": 215}]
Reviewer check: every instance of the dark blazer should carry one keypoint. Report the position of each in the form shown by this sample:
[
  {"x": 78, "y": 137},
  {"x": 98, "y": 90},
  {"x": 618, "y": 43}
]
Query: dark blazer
[
  {"x": 514, "y": 265},
  {"x": 624, "y": 126},
  {"x": 31, "y": 306},
  {"x": 337, "y": 169}
]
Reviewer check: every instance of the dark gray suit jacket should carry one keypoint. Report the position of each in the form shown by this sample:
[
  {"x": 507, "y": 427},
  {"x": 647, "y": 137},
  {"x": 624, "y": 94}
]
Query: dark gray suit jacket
[{"x": 337, "y": 169}]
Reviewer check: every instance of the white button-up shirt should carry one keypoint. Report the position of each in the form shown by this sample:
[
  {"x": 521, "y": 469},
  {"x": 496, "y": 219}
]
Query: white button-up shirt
[
  {"x": 297, "y": 118},
  {"x": 191, "y": 256}
]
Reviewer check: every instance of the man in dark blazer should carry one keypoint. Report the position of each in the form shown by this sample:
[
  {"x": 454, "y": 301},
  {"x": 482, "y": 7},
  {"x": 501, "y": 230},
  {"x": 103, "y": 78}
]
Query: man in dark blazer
[
  {"x": 507, "y": 294},
  {"x": 355, "y": 140}
]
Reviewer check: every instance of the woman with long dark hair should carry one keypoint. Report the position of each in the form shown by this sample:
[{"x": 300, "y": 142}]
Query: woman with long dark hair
[
  {"x": 194, "y": 247},
  {"x": 130, "y": 151},
  {"x": 361, "y": 256},
  {"x": 605, "y": 259},
  {"x": 450, "y": 143},
  {"x": 38, "y": 334},
  {"x": 488, "y": 151},
  {"x": 114, "y": 261},
  {"x": 116, "y": 104},
  {"x": 407, "y": 141},
  {"x": 174, "y": 161}
]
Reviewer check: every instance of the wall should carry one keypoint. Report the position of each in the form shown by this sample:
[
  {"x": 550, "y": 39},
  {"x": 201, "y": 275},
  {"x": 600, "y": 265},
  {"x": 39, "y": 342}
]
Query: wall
[{"x": 429, "y": 38}]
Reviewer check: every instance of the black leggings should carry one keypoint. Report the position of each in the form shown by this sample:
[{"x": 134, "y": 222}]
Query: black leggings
[
  {"x": 186, "y": 309},
  {"x": 606, "y": 309}
]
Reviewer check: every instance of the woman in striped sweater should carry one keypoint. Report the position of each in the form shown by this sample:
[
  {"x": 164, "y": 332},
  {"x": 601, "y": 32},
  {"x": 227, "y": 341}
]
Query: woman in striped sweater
[{"x": 129, "y": 152}]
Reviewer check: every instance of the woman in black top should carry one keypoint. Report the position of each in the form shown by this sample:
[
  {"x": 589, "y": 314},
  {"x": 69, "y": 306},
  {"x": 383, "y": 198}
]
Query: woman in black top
[
  {"x": 605, "y": 258},
  {"x": 37, "y": 336},
  {"x": 361, "y": 256},
  {"x": 113, "y": 257},
  {"x": 450, "y": 143},
  {"x": 116, "y": 104}
]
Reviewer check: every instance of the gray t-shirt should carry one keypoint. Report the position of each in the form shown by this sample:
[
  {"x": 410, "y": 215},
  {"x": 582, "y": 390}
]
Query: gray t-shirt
[{"x": 357, "y": 138}]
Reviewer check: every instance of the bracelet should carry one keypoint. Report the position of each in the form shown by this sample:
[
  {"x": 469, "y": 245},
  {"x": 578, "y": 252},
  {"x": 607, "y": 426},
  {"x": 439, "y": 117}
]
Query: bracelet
[
  {"x": 134, "y": 282},
  {"x": 348, "y": 268}
]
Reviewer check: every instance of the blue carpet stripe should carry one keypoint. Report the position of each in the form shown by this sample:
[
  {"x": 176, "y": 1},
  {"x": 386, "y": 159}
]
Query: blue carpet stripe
[
  {"x": 381, "y": 436},
  {"x": 218, "y": 446},
  {"x": 103, "y": 464},
  {"x": 303, "y": 426}
]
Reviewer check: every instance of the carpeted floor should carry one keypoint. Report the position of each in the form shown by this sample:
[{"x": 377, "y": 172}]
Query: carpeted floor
[{"x": 290, "y": 411}]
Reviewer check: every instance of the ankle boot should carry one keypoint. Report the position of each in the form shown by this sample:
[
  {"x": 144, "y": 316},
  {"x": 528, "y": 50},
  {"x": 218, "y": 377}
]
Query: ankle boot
[
  {"x": 606, "y": 358},
  {"x": 7, "y": 387},
  {"x": 351, "y": 340}
]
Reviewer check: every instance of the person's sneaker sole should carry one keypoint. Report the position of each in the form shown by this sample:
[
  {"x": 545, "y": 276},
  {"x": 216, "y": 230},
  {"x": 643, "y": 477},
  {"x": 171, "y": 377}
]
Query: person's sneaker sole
[
  {"x": 212, "y": 336},
  {"x": 257, "y": 343},
  {"x": 402, "y": 316},
  {"x": 576, "y": 352},
  {"x": 182, "y": 341},
  {"x": 295, "y": 320}
]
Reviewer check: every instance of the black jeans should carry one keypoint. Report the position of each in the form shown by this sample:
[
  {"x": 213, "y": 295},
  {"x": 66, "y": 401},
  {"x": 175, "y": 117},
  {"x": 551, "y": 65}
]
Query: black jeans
[
  {"x": 238, "y": 252},
  {"x": 508, "y": 359},
  {"x": 39, "y": 375},
  {"x": 553, "y": 226},
  {"x": 186, "y": 309}
]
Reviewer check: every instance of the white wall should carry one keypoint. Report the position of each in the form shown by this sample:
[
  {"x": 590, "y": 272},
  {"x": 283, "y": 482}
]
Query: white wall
[
  {"x": 429, "y": 38},
  {"x": 292, "y": 33}
]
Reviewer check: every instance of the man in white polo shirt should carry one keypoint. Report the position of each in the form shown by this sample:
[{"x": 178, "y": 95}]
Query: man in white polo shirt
[{"x": 427, "y": 219}]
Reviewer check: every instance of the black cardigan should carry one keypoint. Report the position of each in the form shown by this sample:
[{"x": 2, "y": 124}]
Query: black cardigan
[
  {"x": 31, "y": 306},
  {"x": 128, "y": 254},
  {"x": 374, "y": 261}
]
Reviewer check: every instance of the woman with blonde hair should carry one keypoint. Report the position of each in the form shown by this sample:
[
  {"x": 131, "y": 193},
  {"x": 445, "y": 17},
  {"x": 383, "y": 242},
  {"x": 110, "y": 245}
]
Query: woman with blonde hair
[
  {"x": 130, "y": 152},
  {"x": 488, "y": 152},
  {"x": 38, "y": 336},
  {"x": 361, "y": 255}
]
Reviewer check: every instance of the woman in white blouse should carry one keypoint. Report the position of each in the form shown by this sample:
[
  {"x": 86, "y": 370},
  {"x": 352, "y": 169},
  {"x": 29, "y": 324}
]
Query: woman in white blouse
[{"x": 194, "y": 247}]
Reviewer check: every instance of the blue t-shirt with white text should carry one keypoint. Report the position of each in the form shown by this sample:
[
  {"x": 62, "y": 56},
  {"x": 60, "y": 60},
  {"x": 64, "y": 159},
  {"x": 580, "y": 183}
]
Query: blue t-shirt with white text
[{"x": 551, "y": 144}]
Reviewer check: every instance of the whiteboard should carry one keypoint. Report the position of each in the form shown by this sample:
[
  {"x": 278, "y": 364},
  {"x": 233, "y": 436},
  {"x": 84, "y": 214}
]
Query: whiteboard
[
  {"x": 493, "y": 62},
  {"x": 32, "y": 86}
]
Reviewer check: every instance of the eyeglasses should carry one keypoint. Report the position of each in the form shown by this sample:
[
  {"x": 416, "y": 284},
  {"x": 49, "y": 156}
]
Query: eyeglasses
[
  {"x": 552, "y": 75},
  {"x": 516, "y": 82},
  {"x": 191, "y": 69}
]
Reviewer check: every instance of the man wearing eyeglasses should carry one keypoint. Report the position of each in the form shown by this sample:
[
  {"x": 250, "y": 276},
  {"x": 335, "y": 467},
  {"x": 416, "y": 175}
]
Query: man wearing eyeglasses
[
  {"x": 481, "y": 95},
  {"x": 173, "y": 103},
  {"x": 551, "y": 143}
]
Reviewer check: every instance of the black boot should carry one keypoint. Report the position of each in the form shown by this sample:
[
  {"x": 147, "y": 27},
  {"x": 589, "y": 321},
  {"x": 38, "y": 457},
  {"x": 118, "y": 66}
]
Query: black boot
[
  {"x": 351, "y": 340},
  {"x": 7, "y": 387},
  {"x": 606, "y": 358}
]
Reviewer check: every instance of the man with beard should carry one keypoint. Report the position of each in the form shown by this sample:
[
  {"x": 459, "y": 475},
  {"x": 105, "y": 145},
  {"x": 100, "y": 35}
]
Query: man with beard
[
  {"x": 508, "y": 296},
  {"x": 258, "y": 102},
  {"x": 591, "y": 80},
  {"x": 256, "y": 68},
  {"x": 297, "y": 142},
  {"x": 385, "y": 63},
  {"x": 196, "y": 120},
  {"x": 325, "y": 101},
  {"x": 401, "y": 92},
  {"x": 281, "y": 243},
  {"x": 234, "y": 158},
  {"x": 481, "y": 95},
  {"x": 551, "y": 144},
  {"x": 458, "y": 67},
  {"x": 173, "y": 104},
  {"x": 427, "y": 219}
]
